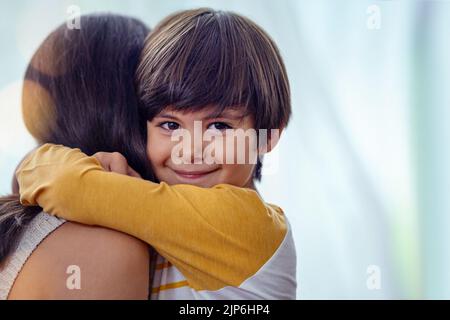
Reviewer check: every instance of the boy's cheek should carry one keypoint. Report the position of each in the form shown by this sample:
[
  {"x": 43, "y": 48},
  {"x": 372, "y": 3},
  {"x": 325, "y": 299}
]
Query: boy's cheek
[
  {"x": 239, "y": 175},
  {"x": 158, "y": 150}
]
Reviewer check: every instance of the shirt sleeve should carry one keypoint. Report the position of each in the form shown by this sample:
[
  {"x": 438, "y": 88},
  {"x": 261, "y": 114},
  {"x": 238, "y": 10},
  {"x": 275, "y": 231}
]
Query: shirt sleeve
[{"x": 216, "y": 236}]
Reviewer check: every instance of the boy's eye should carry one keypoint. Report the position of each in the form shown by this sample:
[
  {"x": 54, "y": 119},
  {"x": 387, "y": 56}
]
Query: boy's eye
[
  {"x": 219, "y": 126},
  {"x": 168, "y": 125}
]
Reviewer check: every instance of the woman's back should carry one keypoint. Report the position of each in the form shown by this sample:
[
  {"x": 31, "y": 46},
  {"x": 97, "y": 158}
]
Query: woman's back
[{"x": 108, "y": 265}]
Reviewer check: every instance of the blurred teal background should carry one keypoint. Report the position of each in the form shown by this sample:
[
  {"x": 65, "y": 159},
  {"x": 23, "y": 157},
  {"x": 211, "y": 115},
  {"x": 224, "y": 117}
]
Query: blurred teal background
[{"x": 362, "y": 169}]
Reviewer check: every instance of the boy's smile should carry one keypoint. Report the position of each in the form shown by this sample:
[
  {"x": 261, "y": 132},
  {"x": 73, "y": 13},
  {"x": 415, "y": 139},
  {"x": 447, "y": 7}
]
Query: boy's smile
[
  {"x": 190, "y": 175},
  {"x": 198, "y": 171}
]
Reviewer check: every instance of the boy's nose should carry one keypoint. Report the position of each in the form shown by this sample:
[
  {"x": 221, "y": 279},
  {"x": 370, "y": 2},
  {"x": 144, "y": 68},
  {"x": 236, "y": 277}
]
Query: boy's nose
[{"x": 197, "y": 152}]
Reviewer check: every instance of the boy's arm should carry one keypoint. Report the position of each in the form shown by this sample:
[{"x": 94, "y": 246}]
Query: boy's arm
[{"x": 216, "y": 237}]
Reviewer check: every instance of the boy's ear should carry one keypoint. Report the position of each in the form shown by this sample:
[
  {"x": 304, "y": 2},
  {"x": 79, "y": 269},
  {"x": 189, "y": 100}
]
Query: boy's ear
[{"x": 272, "y": 140}]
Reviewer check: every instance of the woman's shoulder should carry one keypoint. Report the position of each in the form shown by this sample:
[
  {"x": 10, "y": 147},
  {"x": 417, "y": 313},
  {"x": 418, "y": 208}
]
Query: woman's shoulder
[{"x": 85, "y": 262}]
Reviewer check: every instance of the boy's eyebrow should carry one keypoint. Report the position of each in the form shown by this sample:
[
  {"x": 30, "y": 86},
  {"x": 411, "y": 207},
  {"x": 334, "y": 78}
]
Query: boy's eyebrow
[
  {"x": 224, "y": 114},
  {"x": 165, "y": 115}
]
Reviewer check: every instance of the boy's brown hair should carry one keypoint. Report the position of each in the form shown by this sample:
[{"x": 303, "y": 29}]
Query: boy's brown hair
[{"x": 199, "y": 58}]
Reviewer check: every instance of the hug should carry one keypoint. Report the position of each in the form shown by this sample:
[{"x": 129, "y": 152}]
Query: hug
[{"x": 102, "y": 191}]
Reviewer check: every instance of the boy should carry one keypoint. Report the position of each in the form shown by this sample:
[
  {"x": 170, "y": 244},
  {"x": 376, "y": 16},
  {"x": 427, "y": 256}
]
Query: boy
[{"x": 201, "y": 70}]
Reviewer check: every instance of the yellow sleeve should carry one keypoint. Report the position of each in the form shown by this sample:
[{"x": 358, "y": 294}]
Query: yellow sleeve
[{"x": 216, "y": 236}]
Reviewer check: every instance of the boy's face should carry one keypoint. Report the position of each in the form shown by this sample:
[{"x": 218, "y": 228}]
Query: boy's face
[{"x": 189, "y": 159}]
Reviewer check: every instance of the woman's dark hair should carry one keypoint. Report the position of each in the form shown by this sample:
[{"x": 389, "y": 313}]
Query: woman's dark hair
[
  {"x": 79, "y": 91},
  {"x": 199, "y": 58}
]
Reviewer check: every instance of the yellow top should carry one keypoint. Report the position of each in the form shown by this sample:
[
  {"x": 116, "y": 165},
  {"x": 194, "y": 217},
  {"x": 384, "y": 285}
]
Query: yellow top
[{"x": 216, "y": 237}]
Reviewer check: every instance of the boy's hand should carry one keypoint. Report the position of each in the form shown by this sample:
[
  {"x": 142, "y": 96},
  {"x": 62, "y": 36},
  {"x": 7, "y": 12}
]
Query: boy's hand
[{"x": 115, "y": 162}]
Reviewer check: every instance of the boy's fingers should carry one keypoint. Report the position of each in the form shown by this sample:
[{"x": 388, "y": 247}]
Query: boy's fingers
[
  {"x": 115, "y": 162},
  {"x": 100, "y": 156},
  {"x": 118, "y": 166},
  {"x": 133, "y": 173}
]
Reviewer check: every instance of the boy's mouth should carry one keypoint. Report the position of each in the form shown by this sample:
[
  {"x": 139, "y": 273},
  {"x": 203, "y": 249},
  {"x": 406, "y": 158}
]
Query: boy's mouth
[{"x": 193, "y": 175}]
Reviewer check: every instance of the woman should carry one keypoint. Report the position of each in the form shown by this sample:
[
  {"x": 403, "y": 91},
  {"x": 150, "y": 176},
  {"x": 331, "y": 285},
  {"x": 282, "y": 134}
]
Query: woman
[{"x": 78, "y": 91}]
